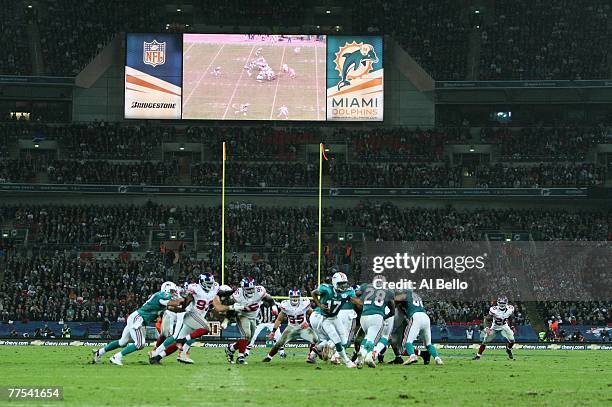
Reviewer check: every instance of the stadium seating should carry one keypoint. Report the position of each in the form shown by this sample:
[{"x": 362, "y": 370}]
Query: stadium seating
[{"x": 546, "y": 40}]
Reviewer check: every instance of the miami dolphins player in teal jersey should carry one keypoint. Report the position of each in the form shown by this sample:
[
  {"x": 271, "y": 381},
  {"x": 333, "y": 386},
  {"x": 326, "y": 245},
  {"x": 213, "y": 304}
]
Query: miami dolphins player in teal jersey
[
  {"x": 418, "y": 325},
  {"x": 378, "y": 306},
  {"x": 324, "y": 320},
  {"x": 135, "y": 328}
]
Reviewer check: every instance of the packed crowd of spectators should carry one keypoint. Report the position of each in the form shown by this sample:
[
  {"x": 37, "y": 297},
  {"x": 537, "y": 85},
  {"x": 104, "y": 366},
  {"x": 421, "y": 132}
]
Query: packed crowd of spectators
[
  {"x": 72, "y": 33},
  {"x": 17, "y": 171},
  {"x": 261, "y": 13},
  {"x": 60, "y": 288},
  {"x": 106, "y": 172},
  {"x": 431, "y": 32},
  {"x": 539, "y": 176},
  {"x": 400, "y": 144},
  {"x": 395, "y": 175},
  {"x": 578, "y": 312},
  {"x": 15, "y": 59},
  {"x": 242, "y": 174},
  {"x": 567, "y": 143},
  {"x": 292, "y": 229},
  {"x": 544, "y": 40}
]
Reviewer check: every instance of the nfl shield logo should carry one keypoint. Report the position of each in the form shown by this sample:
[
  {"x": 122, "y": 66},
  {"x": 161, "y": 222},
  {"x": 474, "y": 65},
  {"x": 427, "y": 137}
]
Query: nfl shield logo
[{"x": 154, "y": 53}]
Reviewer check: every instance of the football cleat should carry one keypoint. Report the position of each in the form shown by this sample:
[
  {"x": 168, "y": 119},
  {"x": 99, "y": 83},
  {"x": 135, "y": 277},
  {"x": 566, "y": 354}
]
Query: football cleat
[
  {"x": 95, "y": 357},
  {"x": 229, "y": 353},
  {"x": 282, "y": 355},
  {"x": 351, "y": 365},
  {"x": 369, "y": 360},
  {"x": 183, "y": 357},
  {"x": 116, "y": 359},
  {"x": 426, "y": 357},
  {"x": 312, "y": 359},
  {"x": 155, "y": 360},
  {"x": 397, "y": 361},
  {"x": 267, "y": 359},
  {"x": 476, "y": 357},
  {"x": 509, "y": 352},
  {"x": 438, "y": 360},
  {"x": 335, "y": 359},
  {"x": 411, "y": 360},
  {"x": 241, "y": 360},
  {"x": 359, "y": 361}
]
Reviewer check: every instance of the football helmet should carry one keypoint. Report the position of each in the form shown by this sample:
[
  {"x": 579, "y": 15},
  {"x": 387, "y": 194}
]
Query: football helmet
[
  {"x": 295, "y": 296},
  {"x": 248, "y": 286},
  {"x": 502, "y": 302},
  {"x": 340, "y": 281},
  {"x": 207, "y": 281},
  {"x": 169, "y": 287}
]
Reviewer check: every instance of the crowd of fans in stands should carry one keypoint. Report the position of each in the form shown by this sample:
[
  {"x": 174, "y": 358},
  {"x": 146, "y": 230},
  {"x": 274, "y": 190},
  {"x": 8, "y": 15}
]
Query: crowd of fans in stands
[
  {"x": 292, "y": 229},
  {"x": 521, "y": 41},
  {"x": 543, "y": 175},
  {"x": 544, "y": 40},
  {"x": 105, "y": 172}
]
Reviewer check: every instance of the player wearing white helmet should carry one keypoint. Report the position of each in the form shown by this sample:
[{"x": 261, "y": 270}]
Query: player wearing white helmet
[
  {"x": 135, "y": 329},
  {"x": 247, "y": 299},
  {"x": 200, "y": 297},
  {"x": 498, "y": 318},
  {"x": 297, "y": 310},
  {"x": 329, "y": 301}
]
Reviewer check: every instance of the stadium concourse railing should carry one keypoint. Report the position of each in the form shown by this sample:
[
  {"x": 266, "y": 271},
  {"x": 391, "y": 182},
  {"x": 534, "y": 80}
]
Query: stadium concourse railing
[{"x": 296, "y": 192}]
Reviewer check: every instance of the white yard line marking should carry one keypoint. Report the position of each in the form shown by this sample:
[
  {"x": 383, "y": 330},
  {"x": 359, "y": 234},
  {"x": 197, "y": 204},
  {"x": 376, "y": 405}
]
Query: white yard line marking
[
  {"x": 189, "y": 48},
  {"x": 317, "y": 79},
  {"x": 202, "y": 76},
  {"x": 277, "y": 82},
  {"x": 238, "y": 83}
]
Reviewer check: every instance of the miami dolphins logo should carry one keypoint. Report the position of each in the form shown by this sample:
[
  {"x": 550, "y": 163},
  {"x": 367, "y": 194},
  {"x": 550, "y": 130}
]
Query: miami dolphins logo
[{"x": 353, "y": 61}]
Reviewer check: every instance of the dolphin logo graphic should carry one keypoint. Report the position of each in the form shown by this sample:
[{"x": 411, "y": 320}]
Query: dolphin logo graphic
[{"x": 354, "y": 59}]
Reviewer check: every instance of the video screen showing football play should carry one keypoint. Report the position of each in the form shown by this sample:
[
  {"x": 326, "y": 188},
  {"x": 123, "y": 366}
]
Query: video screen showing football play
[
  {"x": 254, "y": 77},
  {"x": 281, "y": 203}
]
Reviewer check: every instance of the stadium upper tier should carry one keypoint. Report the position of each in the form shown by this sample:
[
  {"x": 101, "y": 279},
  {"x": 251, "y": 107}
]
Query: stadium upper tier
[
  {"x": 451, "y": 40},
  {"x": 127, "y": 154}
]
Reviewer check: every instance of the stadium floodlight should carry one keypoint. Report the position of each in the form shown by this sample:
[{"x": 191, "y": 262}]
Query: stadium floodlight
[
  {"x": 29, "y": 6},
  {"x": 476, "y": 11},
  {"x": 327, "y": 11},
  {"x": 178, "y": 10},
  {"x": 182, "y": 147},
  {"x": 36, "y": 145},
  {"x": 472, "y": 149}
]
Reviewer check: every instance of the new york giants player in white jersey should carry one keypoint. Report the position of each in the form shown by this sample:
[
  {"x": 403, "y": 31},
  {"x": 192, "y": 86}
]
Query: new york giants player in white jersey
[
  {"x": 498, "y": 318},
  {"x": 265, "y": 322},
  {"x": 200, "y": 297},
  {"x": 297, "y": 310},
  {"x": 247, "y": 300}
]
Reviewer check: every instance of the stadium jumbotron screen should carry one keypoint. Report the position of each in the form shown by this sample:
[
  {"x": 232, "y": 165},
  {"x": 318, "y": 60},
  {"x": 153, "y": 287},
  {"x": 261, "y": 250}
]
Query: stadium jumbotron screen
[{"x": 254, "y": 77}]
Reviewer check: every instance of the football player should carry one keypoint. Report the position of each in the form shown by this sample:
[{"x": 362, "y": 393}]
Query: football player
[
  {"x": 296, "y": 310},
  {"x": 418, "y": 325},
  {"x": 329, "y": 300},
  {"x": 265, "y": 322},
  {"x": 244, "y": 109},
  {"x": 201, "y": 296},
  {"x": 498, "y": 318},
  {"x": 378, "y": 306},
  {"x": 217, "y": 71},
  {"x": 283, "y": 111},
  {"x": 247, "y": 299},
  {"x": 135, "y": 329}
]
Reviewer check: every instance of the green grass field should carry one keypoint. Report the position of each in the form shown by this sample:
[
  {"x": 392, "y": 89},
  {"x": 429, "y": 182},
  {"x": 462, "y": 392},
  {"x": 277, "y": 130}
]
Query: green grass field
[
  {"x": 218, "y": 97},
  {"x": 533, "y": 378}
]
